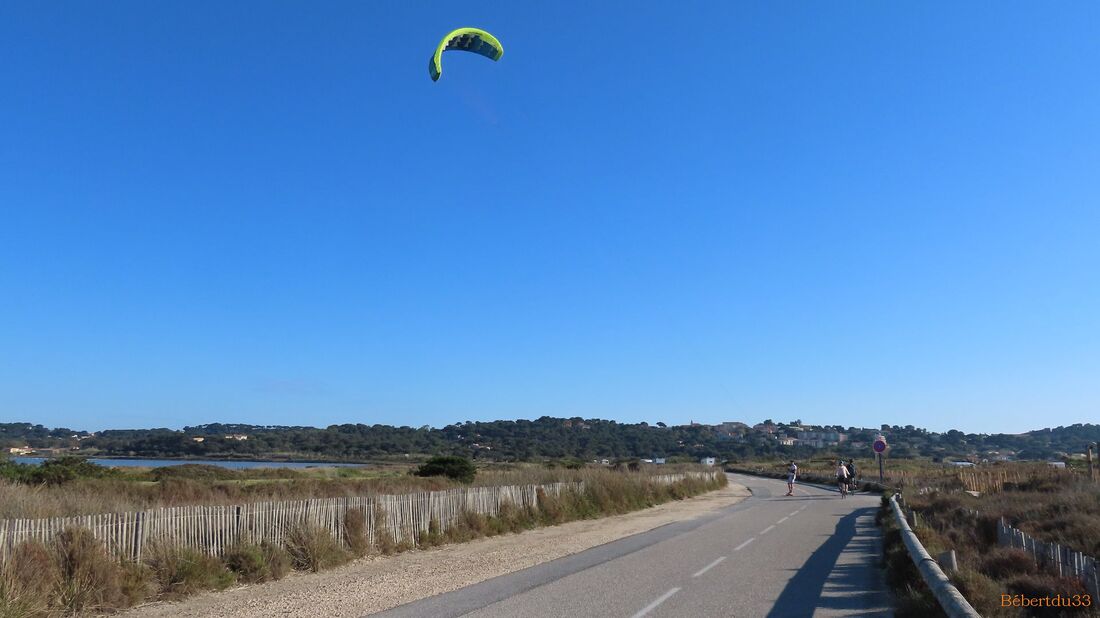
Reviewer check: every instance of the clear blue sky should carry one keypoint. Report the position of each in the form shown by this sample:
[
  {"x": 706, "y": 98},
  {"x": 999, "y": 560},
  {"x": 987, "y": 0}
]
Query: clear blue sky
[{"x": 266, "y": 212}]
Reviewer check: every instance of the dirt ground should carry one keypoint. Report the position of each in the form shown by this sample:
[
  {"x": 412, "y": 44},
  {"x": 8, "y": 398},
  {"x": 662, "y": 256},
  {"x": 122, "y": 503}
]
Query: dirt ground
[{"x": 375, "y": 584}]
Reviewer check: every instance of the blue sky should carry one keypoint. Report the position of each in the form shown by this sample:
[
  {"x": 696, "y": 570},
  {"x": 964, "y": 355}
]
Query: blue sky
[{"x": 266, "y": 212}]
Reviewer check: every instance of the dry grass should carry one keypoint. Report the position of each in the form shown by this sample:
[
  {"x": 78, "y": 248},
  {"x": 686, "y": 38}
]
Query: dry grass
[
  {"x": 26, "y": 582},
  {"x": 355, "y": 531},
  {"x": 89, "y": 579},
  {"x": 1069, "y": 515},
  {"x": 75, "y": 575},
  {"x": 90, "y": 496},
  {"x": 1050, "y": 505}
]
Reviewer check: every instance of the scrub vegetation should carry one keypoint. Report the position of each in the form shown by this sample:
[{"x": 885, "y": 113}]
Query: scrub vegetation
[
  {"x": 1054, "y": 507},
  {"x": 74, "y": 575}
]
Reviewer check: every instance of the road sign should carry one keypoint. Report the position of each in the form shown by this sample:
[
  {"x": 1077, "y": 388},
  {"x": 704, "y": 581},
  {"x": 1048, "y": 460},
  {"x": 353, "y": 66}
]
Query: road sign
[{"x": 880, "y": 448}]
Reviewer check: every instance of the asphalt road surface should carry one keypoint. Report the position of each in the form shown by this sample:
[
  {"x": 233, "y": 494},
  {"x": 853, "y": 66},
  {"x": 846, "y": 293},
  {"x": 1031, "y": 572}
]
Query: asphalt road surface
[{"x": 812, "y": 554}]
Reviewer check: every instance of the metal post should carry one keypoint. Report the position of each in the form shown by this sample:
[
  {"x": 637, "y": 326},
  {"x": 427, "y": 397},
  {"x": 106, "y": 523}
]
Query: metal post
[{"x": 881, "y": 476}]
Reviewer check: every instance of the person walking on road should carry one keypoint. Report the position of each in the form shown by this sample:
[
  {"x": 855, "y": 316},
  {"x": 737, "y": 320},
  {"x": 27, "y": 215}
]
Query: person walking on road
[
  {"x": 851, "y": 466},
  {"x": 792, "y": 473},
  {"x": 842, "y": 478}
]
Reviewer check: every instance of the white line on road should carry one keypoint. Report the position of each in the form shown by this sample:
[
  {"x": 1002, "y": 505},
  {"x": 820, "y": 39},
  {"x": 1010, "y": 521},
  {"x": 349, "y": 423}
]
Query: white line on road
[
  {"x": 652, "y": 606},
  {"x": 742, "y": 546},
  {"x": 709, "y": 567},
  {"x": 783, "y": 519},
  {"x": 794, "y": 513},
  {"x": 767, "y": 530}
]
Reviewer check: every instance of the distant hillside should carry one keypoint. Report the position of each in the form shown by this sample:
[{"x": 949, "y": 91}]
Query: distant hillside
[{"x": 546, "y": 437}]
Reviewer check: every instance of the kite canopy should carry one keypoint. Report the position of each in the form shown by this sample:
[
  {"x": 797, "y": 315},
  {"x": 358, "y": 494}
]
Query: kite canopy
[{"x": 464, "y": 39}]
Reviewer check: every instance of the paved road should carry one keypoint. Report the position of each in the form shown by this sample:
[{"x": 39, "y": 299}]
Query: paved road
[{"x": 813, "y": 554}]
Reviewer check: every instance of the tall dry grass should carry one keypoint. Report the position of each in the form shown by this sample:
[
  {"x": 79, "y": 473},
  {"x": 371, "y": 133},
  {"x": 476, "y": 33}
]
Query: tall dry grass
[
  {"x": 92, "y": 496},
  {"x": 209, "y": 485},
  {"x": 74, "y": 574}
]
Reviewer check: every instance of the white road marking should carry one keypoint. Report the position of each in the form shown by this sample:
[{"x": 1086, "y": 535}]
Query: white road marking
[
  {"x": 783, "y": 519},
  {"x": 709, "y": 566},
  {"x": 742, "y": 546},
  {"x": 768, "y": 529},
  {"x": 652, "y": 606},
  {"x": 794, "y": 513}
]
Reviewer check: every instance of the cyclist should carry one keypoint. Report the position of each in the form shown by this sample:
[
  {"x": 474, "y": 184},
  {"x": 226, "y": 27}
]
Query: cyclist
[{"x": 842, "y": 478}]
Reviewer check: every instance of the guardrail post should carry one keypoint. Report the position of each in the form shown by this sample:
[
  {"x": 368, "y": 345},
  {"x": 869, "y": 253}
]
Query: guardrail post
[{"x": 948, "y": 562}]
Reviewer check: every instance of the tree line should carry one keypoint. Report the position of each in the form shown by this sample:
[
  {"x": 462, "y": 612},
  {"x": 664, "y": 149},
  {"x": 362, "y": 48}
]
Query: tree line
[{"x": 546, "y": 437}]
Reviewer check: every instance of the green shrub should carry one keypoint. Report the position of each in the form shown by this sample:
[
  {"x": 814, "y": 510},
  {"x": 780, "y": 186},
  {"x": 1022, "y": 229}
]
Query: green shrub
[
  {"x": 1004, "y": 562},
  {"x": 248, "y": 562},
  {"x": 433, "y": 536},
  {"x": 253, "y": 564},
  {"x": 179, "y": 572},
  {"x": 194, "y": 472},
  {"x": 982, "y": 592},
  {"x": 312, "y": 548},
  {"x": 450, "y": 466},
  {"x": 58, "y": 471}
]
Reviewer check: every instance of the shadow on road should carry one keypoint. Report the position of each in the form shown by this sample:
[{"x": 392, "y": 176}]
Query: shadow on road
[{"x": 849, "y": 587}]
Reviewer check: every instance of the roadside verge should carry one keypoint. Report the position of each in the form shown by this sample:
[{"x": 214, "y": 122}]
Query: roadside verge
[{"x": 375, "y": 584}]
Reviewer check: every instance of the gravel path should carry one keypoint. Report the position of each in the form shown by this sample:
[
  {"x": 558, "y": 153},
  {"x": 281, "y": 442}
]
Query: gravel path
[{"x": 374, "y": 584}]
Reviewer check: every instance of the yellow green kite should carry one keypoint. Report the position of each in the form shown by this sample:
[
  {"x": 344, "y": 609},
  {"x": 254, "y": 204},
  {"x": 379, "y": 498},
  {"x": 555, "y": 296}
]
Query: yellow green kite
[{"x": 465, "y": 39}]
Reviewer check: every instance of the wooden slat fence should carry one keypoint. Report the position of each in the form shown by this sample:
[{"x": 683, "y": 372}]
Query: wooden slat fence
[
  {"x": 213, "y": 529},
  {"x": 1063, "y": 560}
]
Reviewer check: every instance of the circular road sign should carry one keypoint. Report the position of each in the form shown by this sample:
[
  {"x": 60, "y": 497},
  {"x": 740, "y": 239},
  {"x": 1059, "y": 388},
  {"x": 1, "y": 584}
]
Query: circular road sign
[{"x": 879, "y": 445}]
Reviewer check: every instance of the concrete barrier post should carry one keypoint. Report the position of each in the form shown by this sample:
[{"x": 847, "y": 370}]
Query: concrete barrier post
[{"x": 948, "y": 561}]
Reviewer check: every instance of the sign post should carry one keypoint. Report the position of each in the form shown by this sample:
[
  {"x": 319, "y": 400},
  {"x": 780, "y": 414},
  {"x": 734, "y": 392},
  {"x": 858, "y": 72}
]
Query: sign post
[
  {"x": 880, "y": 447},
  {"x": 1088, "y": 457}
]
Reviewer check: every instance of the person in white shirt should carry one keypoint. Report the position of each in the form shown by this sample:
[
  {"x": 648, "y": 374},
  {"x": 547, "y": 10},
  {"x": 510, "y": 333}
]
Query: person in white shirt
[{"x": 792, "y": 473}]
